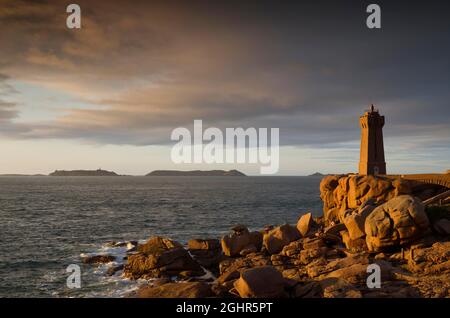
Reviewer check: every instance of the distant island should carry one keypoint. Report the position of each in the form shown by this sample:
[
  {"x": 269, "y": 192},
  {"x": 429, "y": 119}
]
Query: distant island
[
  {"x": 22, "y": 175},
  {"x": 83, "y": 173},
  {"x": 196, "y": 173},
  {"x": 316, "y": 174}
]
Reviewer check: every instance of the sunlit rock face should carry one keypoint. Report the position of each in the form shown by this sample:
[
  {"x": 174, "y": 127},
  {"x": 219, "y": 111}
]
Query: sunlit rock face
[
  {"x": 341, "y": 193},
  {"x": 395, "y": 223}
]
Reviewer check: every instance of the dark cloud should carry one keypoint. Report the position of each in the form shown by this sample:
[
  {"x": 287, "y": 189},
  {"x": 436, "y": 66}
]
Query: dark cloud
[
  {"x": 7, "y": 109},
  {"x": 308, "y": 68}
]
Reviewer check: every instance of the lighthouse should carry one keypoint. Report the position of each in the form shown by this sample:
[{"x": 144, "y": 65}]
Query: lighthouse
[{"x": 372, "y": 160}]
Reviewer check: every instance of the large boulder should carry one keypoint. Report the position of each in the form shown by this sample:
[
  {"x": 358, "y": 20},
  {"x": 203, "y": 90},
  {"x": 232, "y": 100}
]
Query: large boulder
[
  {"x": 231, "y": 268},
  {"x": 279, "y": 237},
  {"x": 327, "y": 187},
  {"x": 241, "y": 240},
  {"x": 160, "y": 257},
  {"x": 260, "y": 282},
  {"x": 355, "y": 222},
  {"x": 200, "y": 244},
  {"x": 306, "y": 224},
  {"x": 362, "y": 188},
  {"x": 156, "y": 245},
  {"x": 353, "y": 191},
  {"x": 397, "y": 222},
  {"x": 355, "y": 226},
  {"x": 176, "y": 290},
  {"x": 207, "y": 253}
]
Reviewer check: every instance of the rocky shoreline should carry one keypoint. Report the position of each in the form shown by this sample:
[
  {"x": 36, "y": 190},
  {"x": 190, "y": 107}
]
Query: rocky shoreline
[{"x": 366, "y": 220}]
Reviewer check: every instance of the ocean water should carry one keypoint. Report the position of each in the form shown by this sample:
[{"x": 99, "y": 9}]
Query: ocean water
[{"x": 46, "y": 223}]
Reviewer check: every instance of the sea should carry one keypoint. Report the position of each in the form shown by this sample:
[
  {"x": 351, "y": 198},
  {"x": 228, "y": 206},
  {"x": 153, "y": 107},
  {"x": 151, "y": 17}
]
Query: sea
[{"x": 49, "y": 223}]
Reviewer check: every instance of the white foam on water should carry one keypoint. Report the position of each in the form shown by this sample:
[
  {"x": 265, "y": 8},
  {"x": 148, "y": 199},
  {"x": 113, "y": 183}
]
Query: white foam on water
[
  {"x": 208, "y": 274},
  {"x": 111, "y": 285},
  {"x": 117, "y": 285}
]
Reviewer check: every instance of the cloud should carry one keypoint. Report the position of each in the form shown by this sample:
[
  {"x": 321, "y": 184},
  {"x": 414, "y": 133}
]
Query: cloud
[
  {"x": 7, "y": 109},
  {"x": 148, "y": 68}
]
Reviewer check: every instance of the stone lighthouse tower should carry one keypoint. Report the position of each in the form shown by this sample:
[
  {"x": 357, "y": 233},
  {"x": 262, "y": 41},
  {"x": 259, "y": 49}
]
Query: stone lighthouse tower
[{"x": 372, "y": 150}]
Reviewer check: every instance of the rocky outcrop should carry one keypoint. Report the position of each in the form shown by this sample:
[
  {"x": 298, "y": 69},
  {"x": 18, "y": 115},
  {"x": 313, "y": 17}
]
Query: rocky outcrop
[
  {"x": 260, "y": 282},
  {"x": 338, "y": 288},
  {"x": 354, "y": 245},
  {"x": 370, "y": 221},
  {"x": 98, "y": 259},
  {"x": 279, "y": 237},
  {"x": 208, "y": 253},
  {"x": 160, "y": 257},
  {"x": 177, "y": 290},
  {"x": 312, "y": 266},
  {"x": 241, "y": 241},
  {"x": 355, "y": 220},
  {"x": 231, "y": 269},
  {"x": 353, "y": 236},
  {"x": 306, "y": 225},
  {"x": 430, "y": 269},
  {"x": 341, "y": 193},
  {"x": 432, "y": 259},
  {"x": 328, "y": 186},
  {"x": 395, "y": 223}
]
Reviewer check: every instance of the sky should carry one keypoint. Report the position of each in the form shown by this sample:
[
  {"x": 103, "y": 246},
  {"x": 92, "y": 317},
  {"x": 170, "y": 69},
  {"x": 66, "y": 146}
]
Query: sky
[{"x": 108, "y": 95}]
